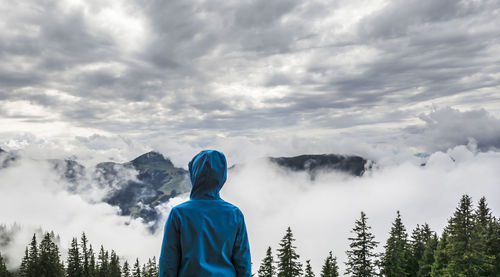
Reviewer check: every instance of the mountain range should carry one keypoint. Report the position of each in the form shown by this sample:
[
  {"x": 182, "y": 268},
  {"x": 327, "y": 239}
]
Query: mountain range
[{"x": 139, "y": 186}]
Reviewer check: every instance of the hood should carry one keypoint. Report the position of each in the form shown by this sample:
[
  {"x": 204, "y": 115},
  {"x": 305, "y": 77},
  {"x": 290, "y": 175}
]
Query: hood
[{"x": 208, "y": 171}]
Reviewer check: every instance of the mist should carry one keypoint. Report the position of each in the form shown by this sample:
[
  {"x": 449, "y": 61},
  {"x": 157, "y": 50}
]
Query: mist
[
  {"x": 320, "y": 211},
  {"x": 34, "y": 199}
]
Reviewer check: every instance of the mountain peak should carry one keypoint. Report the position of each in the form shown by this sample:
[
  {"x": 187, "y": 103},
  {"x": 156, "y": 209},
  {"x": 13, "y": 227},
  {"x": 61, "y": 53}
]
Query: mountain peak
[{"x": 151, "y": 157}]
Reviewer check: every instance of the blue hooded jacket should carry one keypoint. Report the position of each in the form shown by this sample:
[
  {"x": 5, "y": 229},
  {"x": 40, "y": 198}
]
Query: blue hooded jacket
[{"x": 205, "y": 236}]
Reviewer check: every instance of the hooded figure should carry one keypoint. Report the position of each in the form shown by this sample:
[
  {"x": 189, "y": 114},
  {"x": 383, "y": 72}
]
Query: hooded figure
[{"x": 205, "y": 236}]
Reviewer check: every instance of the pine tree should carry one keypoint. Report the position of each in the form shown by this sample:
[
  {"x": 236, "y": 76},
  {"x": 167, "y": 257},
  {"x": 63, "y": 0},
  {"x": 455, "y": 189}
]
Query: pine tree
[
  {"x": 419, "y": 239},
  {"x": 154, "y": 267},
  {"x": 151, "y": 268},
  {"x": 494, "y": 249},
  {"x": 137, "y": 269},
  {"x": 103, "y": 263},
  {"x": 481, "y": 241},
  {"x": 55, "y": 254},
  {"x": 3, "y": 268},
  {"x": 74, "y": 268},
  {"x": 441, "y": 257},
  {"x": 33, "y": 259},
  {"x": 288, "y": 260},
  {"x": 308, "y": 271},
  {"x": 125, "y": 270},
  {"x": 425, "y": 264},
  {"x": 463, "y": 259},
  {"x": 395, "y": 259},
  {"x": 483, "y": 214},
  {"x": 267, "y": 268},
  {"x": 361, "y": 259},
  {"x": 330, "y": 267},
  {"x": 114, "y": 265},
  {"x": 145, "y": 269},
  {"x": 50, "y": 263},
  {"x": 23, "y": 269},
  {"x": 92, "y": 264},
  {"x": 85, "y": 256}
]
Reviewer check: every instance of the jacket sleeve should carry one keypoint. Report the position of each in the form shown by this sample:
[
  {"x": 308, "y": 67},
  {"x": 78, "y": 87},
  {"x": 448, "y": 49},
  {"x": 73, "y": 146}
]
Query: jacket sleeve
[
  {"x": 170, "y": 249},
  {"x": 241, "y": 251}
]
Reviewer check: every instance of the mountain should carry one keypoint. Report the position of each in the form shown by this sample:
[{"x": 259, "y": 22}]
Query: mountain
[
  {"x": 353, "y": 165},
  {"x": 137, "y": 187},
  {"x": 140, "y": 186},
  {"x": 156, "y": 181}
]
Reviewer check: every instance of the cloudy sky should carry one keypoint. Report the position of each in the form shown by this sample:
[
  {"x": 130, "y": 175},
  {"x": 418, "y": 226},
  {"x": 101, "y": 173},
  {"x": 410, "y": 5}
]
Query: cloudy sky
[
  {"x": 84, "y": 76},
  {"x": 110, "y": 80}
]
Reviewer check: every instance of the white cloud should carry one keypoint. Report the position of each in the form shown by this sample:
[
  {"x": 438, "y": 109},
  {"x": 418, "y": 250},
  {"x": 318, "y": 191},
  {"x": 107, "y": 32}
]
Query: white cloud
[
  {"x": 35, "y": 198},
  {"x": 447, "y": 127},
  {"x": 320, "y": 212}
]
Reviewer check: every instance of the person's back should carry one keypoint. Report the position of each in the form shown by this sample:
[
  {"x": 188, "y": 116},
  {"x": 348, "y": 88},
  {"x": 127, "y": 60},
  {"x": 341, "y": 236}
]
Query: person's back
[{"x": 205, "y": 236}]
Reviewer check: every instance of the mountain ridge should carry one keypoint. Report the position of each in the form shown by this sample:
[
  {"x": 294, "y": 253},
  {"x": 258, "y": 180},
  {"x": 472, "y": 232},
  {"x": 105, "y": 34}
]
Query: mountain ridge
[{"x": 142, "y": 184}]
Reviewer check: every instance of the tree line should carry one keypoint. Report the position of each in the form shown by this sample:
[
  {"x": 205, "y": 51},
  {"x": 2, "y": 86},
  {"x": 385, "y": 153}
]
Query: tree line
[
  {"x": 469, "y": 246},
  {"x": 44, "y": 260}
]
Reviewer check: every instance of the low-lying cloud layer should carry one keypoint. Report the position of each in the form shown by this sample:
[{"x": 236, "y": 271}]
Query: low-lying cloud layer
[
  {"x": 34, "y": 197},
  {"x": 321, "y": 212}
]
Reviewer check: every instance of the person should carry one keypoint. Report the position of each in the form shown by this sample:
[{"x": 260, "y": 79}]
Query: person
[{"x": 205, "y": 236}]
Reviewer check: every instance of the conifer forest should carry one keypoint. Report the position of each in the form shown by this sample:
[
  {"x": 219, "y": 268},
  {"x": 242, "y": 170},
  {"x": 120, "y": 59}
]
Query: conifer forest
[{"x": 468, "y": 246}]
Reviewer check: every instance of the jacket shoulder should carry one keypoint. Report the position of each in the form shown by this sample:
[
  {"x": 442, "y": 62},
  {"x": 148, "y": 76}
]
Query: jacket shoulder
[{"x": 234, "y": 208}]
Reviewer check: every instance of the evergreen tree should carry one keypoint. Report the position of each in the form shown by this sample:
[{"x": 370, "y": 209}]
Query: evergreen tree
[
  {"x": 483, "y": 215},
  {"x": 308, "y": 271},
  {"x": 92, "y": 264},
  {"x": 33, "y": 259},
  {"x": 23, "y": 269},
  {"x": 74, "y": 268},
  {"x": 137, "y": 269},
  {"x": 3, "y": 268},
  {"x": 425, "y": 264},
  {"x": 441, "y": 257},
  {"x": 481, "y": 241},
  {"x": 361, "y": 259},
  {"x": 419, "y": 240},
  {"x": 85, "y": 256},
  {"x": 50, "y": 263},
  {"x": 288, "y": 259},
  {"x": 151, "y": 268},
  {"x": 494, "y": 244},
  {"x": 103, "y": 263},
  {"x": 154, "y": 266},
  {"x": 395, "y": 259},
  {"x": 126, "y": 270},
  {"x": 330, "y": 267},
  {"x": 114, "y": 265},
  {"x": 464, "y": 260},
  {"x": 144, "y": 272},
  {"x": 267, "y": 268}
]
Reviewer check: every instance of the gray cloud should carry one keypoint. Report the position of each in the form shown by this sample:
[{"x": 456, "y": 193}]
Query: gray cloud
[
  {"x": 246, "y": 67},
  {"x": 447, "y": 127}
]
